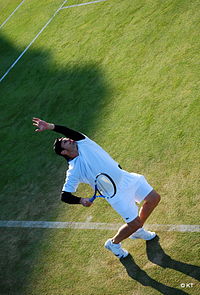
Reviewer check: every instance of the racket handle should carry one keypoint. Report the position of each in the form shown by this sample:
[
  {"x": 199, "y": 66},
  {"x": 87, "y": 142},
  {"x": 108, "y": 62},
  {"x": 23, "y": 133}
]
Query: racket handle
[{"x": 92, "y": 199}]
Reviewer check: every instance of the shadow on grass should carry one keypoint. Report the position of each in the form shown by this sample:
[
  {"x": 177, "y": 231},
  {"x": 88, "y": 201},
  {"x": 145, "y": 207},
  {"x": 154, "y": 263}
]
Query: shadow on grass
[
  {"x": 32, "y": 176},
  {"x": 72, "y": 95},
  {"x": 139, "y": 275},
  {"x": 157, "y": 256}
]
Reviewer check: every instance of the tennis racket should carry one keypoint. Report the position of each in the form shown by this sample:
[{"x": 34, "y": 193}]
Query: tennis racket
[{"x": 104, "y": 187}]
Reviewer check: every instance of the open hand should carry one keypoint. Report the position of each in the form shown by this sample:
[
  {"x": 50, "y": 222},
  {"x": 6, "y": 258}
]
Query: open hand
[{"x": 42, "y": 125}]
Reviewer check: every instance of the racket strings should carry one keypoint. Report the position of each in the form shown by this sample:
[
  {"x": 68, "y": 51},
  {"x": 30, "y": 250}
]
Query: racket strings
[{"x": 105, "y": 186}]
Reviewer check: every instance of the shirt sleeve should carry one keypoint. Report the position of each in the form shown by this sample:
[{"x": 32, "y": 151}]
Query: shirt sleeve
[
  {"x": 70, "y": 133},
  {"x": 71, "y": 182},
  {"x": 69, "y": 198}
]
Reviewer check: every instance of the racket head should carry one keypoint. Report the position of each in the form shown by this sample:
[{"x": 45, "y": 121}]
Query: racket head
[{"x": 105, "y": 185}]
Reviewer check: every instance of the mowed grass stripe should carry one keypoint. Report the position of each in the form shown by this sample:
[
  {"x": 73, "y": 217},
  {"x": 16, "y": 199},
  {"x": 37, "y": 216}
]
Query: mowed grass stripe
[{"x": 97, "y": 225}]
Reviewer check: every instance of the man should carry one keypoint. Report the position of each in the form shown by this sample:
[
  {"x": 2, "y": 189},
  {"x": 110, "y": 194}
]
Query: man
[{"x": 86, "y": 160}]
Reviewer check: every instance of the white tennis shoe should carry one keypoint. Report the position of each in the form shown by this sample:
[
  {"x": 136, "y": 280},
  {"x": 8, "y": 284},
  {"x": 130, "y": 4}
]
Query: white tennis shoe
[
  {"x": 143, "y": 234},
  {"x": 116, "y": 249}
]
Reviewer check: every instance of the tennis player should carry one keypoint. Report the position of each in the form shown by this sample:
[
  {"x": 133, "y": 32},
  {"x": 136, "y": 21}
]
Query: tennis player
[{"x": 86, "y": 160}]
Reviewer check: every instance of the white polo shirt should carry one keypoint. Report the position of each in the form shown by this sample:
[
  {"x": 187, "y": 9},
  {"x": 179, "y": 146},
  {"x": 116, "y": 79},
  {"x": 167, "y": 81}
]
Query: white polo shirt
[{"x": 91, "y": 161}]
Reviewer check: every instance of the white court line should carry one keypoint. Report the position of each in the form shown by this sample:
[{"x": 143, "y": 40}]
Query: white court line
[
  {"x": 11, "y": 14},
  {"x": 61, "y": 7},
  {"x": 82, "y": 4},
  {"x": 20, "y": 56},
  {"x": 97, "y": 225}
]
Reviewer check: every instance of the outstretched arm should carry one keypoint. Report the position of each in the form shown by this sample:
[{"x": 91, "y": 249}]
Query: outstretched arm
[{"x": 43, "y": 125}]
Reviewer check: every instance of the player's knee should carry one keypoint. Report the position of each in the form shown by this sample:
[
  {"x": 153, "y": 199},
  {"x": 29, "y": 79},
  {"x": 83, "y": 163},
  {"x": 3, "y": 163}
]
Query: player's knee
[{"x": 135, "y": 224}]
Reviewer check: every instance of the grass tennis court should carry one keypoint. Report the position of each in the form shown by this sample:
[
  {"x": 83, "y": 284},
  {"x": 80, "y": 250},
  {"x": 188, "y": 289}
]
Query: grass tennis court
[{"x": 126, "y": 73}]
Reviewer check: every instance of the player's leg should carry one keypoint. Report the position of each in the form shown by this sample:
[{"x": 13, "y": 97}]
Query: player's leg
[
  {"x": 149, "y": 198},
  {"x": 150, "y": 203},
  {"x": 126, "y": 230},
  {"x": 129, "y": 210}
]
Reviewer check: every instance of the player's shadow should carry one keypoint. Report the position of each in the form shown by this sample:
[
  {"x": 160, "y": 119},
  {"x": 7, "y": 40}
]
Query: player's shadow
[
  {"x": 136, "y": 273},
  {"x": 156, "y": 255}
]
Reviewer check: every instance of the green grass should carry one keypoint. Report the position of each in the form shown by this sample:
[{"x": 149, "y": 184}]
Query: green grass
[
  {"x": 126, "y": 74},
  {"x": 7, "y": 8}
]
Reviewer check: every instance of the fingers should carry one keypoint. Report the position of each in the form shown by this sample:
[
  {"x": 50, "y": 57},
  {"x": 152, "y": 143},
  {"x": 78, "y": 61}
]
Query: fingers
[
  {"x": 36, "y": 119},
  {"x": 36, "y": 122}
]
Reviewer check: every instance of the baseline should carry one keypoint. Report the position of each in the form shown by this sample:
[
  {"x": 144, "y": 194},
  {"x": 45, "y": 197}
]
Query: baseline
[{"x": 97, "y": 225}]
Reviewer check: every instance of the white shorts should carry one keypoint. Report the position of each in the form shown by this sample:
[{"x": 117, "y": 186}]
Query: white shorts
[{"x": 132, "y": 188}]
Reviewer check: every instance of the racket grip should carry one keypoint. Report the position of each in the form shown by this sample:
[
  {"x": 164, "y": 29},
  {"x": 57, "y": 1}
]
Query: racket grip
[{"x": 92, "y": 199}]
